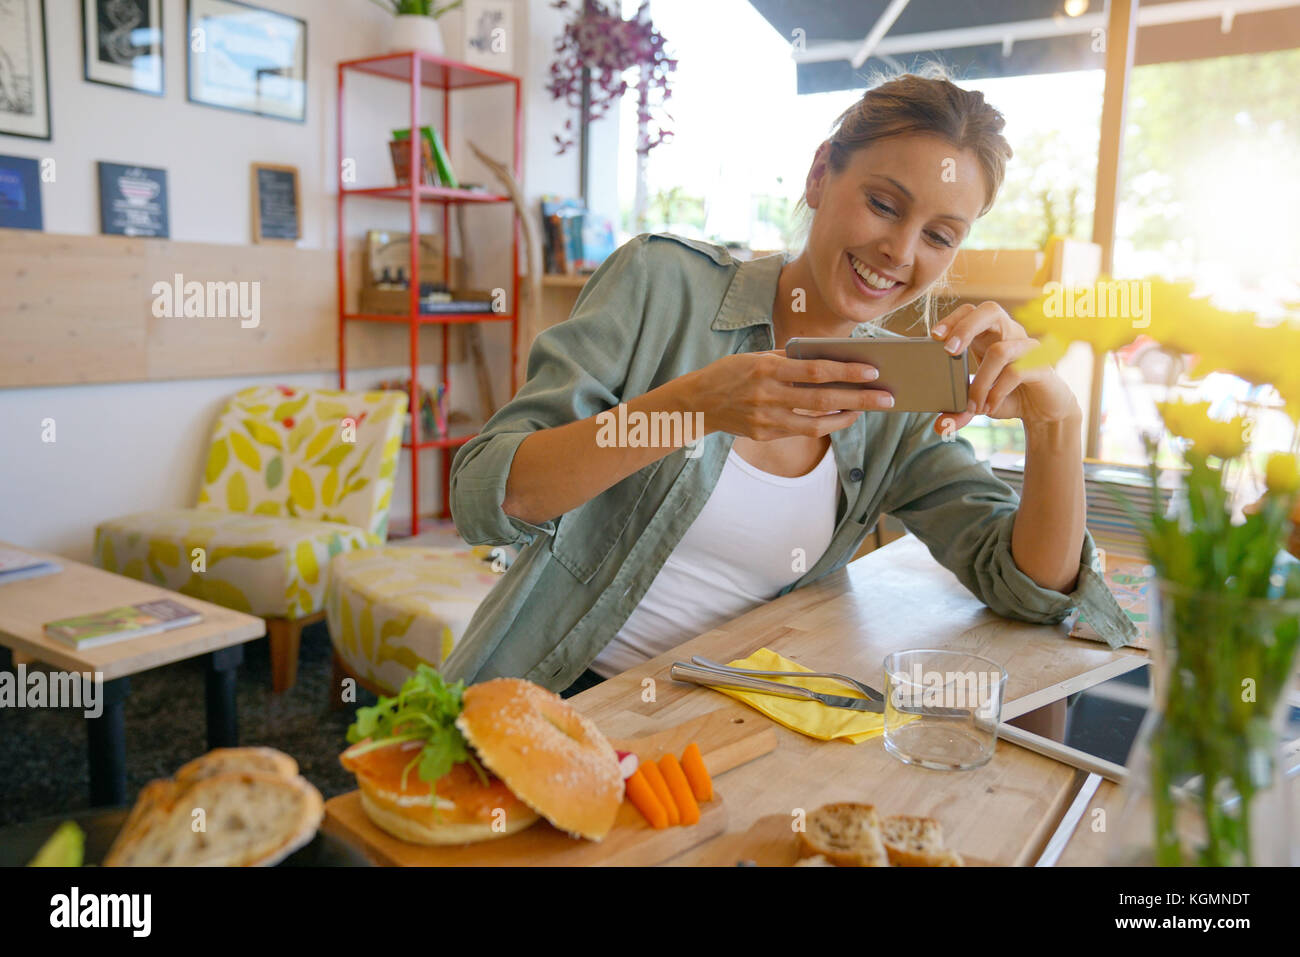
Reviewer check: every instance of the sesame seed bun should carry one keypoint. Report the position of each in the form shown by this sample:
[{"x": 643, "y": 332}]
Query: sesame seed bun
[{"x": 552, "y": 757}]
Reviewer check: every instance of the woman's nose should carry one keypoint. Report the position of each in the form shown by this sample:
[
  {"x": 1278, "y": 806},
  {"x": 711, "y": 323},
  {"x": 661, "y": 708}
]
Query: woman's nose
[{"x": 899, "y": 247}]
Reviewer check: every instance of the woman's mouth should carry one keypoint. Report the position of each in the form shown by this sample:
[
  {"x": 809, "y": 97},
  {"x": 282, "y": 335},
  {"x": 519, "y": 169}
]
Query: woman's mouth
[{"x": 869, "y": 282}]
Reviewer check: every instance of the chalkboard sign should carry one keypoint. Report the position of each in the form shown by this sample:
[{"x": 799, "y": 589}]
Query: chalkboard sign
[
  {"x": 276, "y": 212},
  {"x": 133, "y": 201}
]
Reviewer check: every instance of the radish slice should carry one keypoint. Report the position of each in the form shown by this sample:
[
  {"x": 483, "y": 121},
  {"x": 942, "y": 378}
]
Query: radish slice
[{"x": 627, "y": 763}]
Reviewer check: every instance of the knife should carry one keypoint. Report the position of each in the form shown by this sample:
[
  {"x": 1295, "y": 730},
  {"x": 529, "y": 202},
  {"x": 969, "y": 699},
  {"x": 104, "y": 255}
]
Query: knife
[{"x": 694, "y": 674}]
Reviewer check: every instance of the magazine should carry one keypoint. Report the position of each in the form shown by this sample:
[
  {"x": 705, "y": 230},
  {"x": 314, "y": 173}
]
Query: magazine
[
  {"x": 16, "y": 565},
  {"x": 1129, "y": 580},
  {"x": 118, "y": 624}
]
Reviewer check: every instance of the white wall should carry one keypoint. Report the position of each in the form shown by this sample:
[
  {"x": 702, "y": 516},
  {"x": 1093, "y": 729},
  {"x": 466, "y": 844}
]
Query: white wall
[{"x": 132, "y": 446}]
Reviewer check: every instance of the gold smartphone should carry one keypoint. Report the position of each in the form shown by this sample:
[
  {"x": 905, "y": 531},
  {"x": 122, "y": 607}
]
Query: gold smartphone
[{"x": 918, "y": 373}]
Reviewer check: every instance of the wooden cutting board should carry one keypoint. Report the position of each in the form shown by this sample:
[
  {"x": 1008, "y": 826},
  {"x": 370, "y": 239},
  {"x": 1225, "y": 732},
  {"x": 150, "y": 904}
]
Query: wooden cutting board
[
  {"x": 727, "y": 739},
  {"x": 770, "y": 842}
]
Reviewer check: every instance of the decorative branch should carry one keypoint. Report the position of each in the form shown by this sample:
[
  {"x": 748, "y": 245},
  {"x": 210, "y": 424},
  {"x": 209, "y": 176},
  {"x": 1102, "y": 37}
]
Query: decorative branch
[
  {"x": 532, "y": 243},
  {"x": 599, "y": 40}
]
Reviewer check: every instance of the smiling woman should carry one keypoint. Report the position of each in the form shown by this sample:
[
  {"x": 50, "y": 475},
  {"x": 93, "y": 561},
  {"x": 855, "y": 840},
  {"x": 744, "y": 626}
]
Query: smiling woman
[
  {"x": 629, "y": 549},
  {"x": 913, "y": 145}
]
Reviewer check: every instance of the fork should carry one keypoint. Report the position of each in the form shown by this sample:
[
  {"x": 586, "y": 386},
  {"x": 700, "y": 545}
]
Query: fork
[{"x": 866, "y": 689}]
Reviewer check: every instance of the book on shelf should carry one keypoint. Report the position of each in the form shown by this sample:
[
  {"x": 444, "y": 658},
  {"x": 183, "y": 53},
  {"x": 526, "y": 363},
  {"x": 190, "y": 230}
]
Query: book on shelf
[
  {"x": 401, "y": 154},
  {"x": 563, "y": 248},
  {"x": 435, "y": 306},
  {"x": 121, "y": 623},
  {"x": 15, "y": 565},
  {"x": 437, "y": 151}
]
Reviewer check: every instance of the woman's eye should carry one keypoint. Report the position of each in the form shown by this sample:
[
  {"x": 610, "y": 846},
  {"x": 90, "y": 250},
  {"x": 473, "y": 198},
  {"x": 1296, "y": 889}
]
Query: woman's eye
[
  {"x": 939, "y": 239},
  {"x": 877, "y": 204}
]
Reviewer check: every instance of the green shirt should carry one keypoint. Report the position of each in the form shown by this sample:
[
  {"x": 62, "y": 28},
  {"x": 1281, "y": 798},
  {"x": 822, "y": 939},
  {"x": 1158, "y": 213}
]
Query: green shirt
[{"x": 658, "y": 308}]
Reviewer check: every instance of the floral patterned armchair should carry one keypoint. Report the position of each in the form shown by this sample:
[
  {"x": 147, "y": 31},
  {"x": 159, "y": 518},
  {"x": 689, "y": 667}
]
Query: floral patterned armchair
[{"x": 293, "y": 478}]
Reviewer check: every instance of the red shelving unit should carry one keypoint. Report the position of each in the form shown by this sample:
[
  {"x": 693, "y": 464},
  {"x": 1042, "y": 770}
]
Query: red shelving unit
[{"x": 420, "y": 72}]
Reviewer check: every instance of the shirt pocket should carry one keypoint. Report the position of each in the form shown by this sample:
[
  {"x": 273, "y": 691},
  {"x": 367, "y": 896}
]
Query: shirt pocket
[{"x": 586, "y": 535}]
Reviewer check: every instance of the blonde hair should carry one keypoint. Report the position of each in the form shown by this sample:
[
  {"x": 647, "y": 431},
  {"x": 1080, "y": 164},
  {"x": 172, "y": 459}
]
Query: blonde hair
[{"x": 924, "y": 102}]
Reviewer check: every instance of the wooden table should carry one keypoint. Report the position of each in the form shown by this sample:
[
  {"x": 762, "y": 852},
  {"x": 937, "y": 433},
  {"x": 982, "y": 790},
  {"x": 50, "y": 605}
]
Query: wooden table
[
  {"x": 894, "y": 598},
  {"x": 26, "y": 605}
]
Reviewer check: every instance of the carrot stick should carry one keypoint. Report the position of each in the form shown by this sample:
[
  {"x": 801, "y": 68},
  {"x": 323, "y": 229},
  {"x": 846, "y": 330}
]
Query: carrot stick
[
  {"x": 696, "y": 773},
  {"x": 643, "y": 798},
  {"x": 679, "y": 788},
  {"x": 660, "y": 786}
]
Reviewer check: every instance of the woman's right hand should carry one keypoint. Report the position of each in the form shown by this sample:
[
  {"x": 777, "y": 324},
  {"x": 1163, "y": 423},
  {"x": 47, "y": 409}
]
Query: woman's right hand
[{"x": 751, "y": 394}]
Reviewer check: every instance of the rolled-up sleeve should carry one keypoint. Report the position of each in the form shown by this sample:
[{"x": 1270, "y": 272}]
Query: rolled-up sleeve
[
  {"x": 964, "y": 515},
  {"x": 576, "y": 369}
]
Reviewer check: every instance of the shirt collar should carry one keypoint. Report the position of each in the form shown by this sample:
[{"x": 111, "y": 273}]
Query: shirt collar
[{"x": 752, "y": 293}]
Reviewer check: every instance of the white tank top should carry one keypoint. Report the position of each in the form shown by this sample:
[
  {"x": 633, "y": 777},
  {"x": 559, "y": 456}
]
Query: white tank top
[{"x": 740, "y": 551}]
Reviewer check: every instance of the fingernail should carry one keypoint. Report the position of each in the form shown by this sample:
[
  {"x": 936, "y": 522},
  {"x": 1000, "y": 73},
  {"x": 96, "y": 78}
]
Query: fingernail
[
  {"x": 970, "y": 406},
  {"x": 886, "y": 401},
  {"x": 940, "y": 330},
  {"x": 870, "y": 373},
  {"x": 953, "y": 346}
]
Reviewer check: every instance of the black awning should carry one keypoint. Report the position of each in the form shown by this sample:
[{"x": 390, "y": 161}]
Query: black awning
[{"x": 1256, "y": 27}]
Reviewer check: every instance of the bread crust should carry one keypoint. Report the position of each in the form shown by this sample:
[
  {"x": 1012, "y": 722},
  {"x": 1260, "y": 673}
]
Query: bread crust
[
  {"x": 846, "y": 834},
  {"x": 237, "y": 759},
  {"x": 159, "y": 829},
  {"x": 913, "y": 841}
]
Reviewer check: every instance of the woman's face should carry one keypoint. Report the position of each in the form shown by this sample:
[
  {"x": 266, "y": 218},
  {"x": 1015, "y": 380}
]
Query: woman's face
[{"x": 887, "y": 226}]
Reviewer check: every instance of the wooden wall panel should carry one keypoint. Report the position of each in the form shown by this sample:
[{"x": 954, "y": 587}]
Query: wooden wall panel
[{"x": 79, "y": 309}]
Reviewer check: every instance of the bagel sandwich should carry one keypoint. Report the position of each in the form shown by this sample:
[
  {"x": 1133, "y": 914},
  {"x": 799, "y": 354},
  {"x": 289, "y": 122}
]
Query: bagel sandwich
[{"x": 444, "y": 764}]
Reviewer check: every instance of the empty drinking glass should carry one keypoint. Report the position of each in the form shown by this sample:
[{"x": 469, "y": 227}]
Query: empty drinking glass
[{"x": 942, "y": 708}]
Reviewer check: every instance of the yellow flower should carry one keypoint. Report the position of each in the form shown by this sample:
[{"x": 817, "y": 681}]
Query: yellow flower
[
  {"x": 1191, "y": 420},
  {"x": 1107, "y": 314},
  {"x": 1048, "y": 352},
  {"x": 1282, "y": 473}
]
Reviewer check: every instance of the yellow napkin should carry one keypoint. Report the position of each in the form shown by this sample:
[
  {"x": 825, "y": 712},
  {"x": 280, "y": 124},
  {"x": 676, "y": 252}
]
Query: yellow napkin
[{"x": 807, "y": 717}]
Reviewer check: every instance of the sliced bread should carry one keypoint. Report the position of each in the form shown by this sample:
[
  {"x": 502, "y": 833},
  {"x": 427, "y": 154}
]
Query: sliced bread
[
  {"x": 232, "y": 807},
  {"x": 914, "y": 841},
  {"x": 846, "y": 834},
  {"x": 910, "y": 840}
]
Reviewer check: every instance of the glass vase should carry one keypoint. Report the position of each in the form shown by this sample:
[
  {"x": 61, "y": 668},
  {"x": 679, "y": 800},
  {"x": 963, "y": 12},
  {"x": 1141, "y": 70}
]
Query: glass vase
[{"x": 1208, "y": 779}]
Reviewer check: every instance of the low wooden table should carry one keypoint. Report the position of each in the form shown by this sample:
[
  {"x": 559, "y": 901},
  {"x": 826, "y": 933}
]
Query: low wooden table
[
  {"x": 894, "y": 598},
  {"x": 26, "y": 605}
]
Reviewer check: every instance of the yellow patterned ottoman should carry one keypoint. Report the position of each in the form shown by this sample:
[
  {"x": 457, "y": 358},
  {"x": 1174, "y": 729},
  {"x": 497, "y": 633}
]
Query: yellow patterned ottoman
[{"x": 391, "y": 608}]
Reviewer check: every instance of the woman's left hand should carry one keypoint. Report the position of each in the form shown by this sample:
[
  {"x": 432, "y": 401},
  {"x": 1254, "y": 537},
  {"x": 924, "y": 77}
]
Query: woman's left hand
[{"x": 999, "y": 390}]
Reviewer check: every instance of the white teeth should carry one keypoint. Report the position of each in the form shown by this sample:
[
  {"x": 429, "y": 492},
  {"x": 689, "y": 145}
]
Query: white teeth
[{"x": 874, "y": 280}]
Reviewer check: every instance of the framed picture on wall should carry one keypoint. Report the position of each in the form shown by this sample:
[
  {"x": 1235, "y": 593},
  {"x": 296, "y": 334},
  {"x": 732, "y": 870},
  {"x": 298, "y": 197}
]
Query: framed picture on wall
[
  {"x": 24, "y": 74},
  {"x": 121, "y": 43},
  {"x": 277, "y": 212},
  {"x": 248, "y": 59},
  {"x": 489, "y": 35},
  {"x": 20, "y": 193},
  {"x": 133, "y": 201}
]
